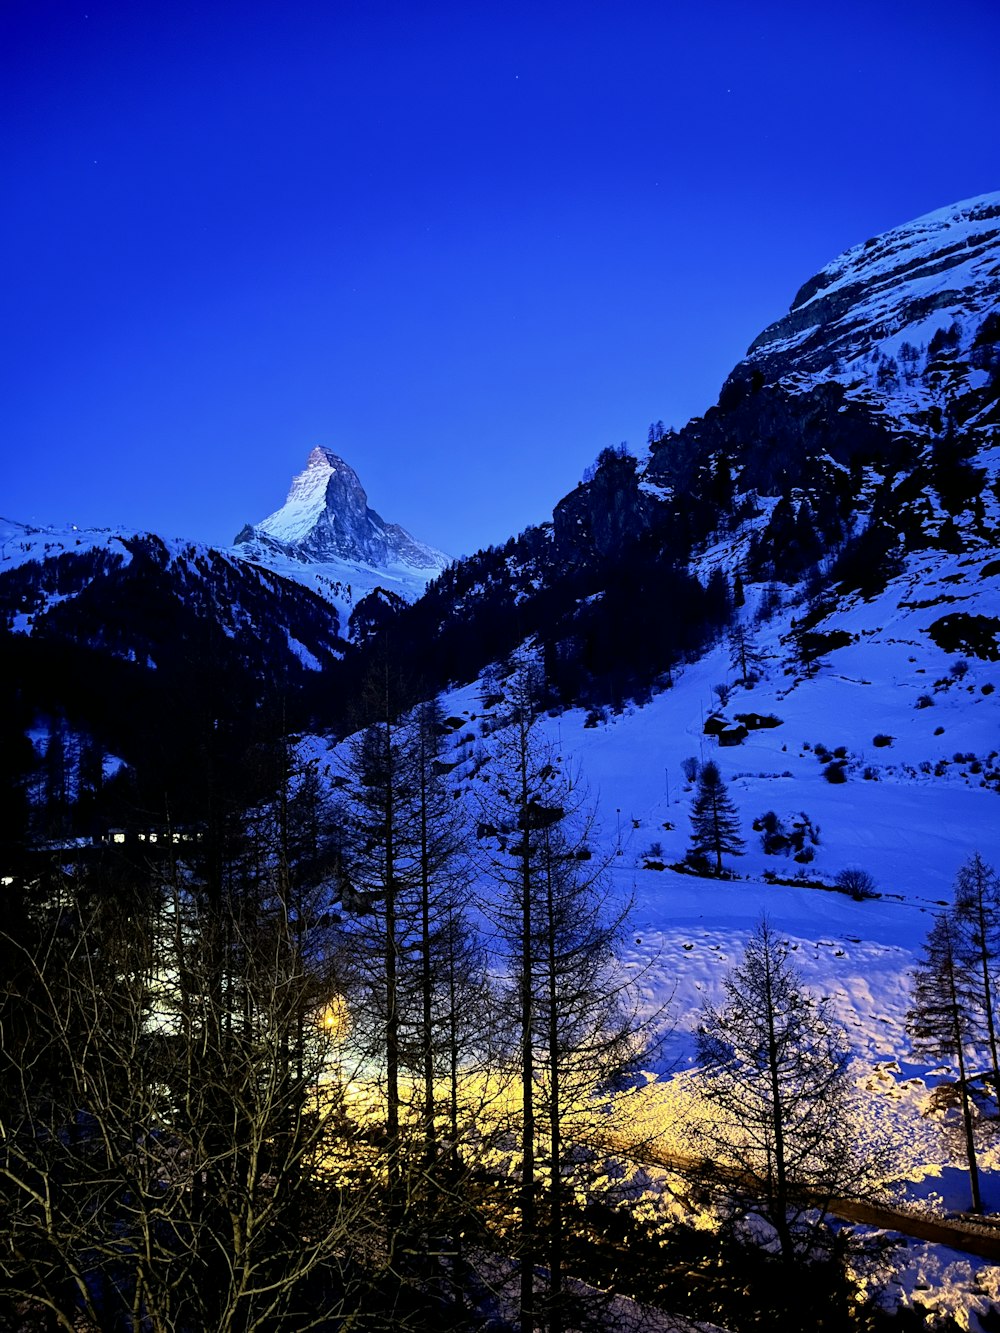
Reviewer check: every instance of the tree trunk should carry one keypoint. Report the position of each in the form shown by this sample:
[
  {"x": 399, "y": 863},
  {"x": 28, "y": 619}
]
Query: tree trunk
[
  {"x": 780, "y": 1197},
  {"x": 555, "y": 1238},
  {"x": 991, "y": 1031},
  {"x": 392, "y": 1006},
  {"x": 528, "y": 1218}
]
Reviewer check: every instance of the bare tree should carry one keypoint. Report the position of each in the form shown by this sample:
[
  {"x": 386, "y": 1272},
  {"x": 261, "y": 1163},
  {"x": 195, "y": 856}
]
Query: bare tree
[
  {"x": 174, "y": 1148},
  {"x": 424, "y": 1028},
  {"x": 977, "y": 945},
  {"x": 774, "y": 1072},
  {"x": 572, "y": 1004},
  {"x": 722, "y": 691}
]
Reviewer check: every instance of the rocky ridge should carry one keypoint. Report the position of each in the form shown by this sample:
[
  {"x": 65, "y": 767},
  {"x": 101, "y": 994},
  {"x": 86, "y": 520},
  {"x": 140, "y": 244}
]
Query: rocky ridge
[{"x": 906, "y": 322}]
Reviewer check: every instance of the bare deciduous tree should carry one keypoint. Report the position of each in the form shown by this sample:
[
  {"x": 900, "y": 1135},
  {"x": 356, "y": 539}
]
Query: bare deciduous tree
[
  {"x": 778, "y": 1138},
  {"x": 174, "y": 1149},
  {"x": 572, "y": 1004}
]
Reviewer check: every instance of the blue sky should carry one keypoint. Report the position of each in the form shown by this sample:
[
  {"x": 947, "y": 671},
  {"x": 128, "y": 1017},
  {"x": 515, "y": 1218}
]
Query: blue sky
[{"x": 466, "y": 245}]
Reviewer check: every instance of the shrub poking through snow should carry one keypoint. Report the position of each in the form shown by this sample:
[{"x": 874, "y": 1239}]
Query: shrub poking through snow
[
  {"x": 797, "y": 837},
  {"x": 882, "y": 740},
  {"x": 835, "y": 773},
  {"x": 857, "y": 882}
]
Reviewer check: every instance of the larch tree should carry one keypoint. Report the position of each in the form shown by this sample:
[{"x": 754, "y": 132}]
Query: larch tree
[
  {"x": 744, "y": 655},
  {"x": 571, "y": 1003},
  {"x": 777, "y": 1136},
  {"x": 423, "y": 1026},
  {"x": 943, "y": 1025},
  {"x": 977, "y": 946}
]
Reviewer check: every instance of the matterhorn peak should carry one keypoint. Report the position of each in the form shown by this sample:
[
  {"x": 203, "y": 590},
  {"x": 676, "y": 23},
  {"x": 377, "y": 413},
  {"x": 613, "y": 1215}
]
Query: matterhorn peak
[{"x": 326, "y": 533}]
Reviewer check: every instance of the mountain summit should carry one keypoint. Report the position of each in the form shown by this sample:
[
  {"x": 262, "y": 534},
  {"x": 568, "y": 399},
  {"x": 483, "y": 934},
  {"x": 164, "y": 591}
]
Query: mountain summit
[
  {"x": 327, "y": 536},
  {"x": 327, "y": 517}
]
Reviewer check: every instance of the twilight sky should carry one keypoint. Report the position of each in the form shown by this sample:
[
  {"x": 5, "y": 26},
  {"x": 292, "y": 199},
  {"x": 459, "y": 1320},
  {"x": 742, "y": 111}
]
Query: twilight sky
[{"x": 466, "y": 245}]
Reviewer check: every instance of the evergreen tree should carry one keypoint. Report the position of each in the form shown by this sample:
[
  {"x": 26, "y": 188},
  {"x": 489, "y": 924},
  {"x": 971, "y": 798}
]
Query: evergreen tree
[
  {"x": 715, "y": 822},
  {"x": 942, "y": 1023},
  {"x": 977, "y": 945}
]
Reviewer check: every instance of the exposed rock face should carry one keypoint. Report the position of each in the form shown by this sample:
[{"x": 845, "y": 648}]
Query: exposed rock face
[
  {"x": 888, "y": 349},
  {"x": 327, "y": 517},
  {"x": 904, "y": 321},
  {"x": 603, "y": 515}
]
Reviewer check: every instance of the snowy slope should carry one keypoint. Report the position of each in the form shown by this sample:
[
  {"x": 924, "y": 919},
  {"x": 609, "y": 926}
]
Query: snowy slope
[
  {"x": 20, "y": 542},
  {"x": 910, "y": 828}
]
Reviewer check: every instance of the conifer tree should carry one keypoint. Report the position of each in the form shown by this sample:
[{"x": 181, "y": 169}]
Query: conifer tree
[
  {"x": 424, "y": 1022},
  {"x": 744, "y": 655},
  {"x": 977, "y": 945},
  {"x": 715, "y": 822},
  {"x": 942, "y": 1023}
]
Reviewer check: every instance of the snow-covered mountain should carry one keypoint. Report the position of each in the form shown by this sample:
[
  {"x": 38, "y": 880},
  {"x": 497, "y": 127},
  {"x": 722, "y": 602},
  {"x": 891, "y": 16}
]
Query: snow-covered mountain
[
  {"x": 907, "y": 321},
  {"x": 148, "y": 649},
  {"x": 835, "y": 519},
  {"x": 64, "y": 582},
  {"x": 326, "y": 536}
]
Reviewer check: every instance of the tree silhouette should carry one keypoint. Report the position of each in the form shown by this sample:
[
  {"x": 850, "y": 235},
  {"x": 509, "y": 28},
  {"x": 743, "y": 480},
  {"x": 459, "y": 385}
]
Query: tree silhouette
[
  {"x": 977, "y": 944},
  {"x": 774, "y": 1070},
  {"x": 942, "y": 1022},
  {"x": 715, "y": 823},
  {"x": 571, "y": 1003}
]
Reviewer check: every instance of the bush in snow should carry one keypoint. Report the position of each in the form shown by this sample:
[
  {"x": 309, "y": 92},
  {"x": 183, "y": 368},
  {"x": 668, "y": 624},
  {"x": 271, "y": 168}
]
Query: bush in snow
[
  {"x": 857, "y": 882},
  {"x": 798, "y": 837},
  {"x": 835, "y": 773}
]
